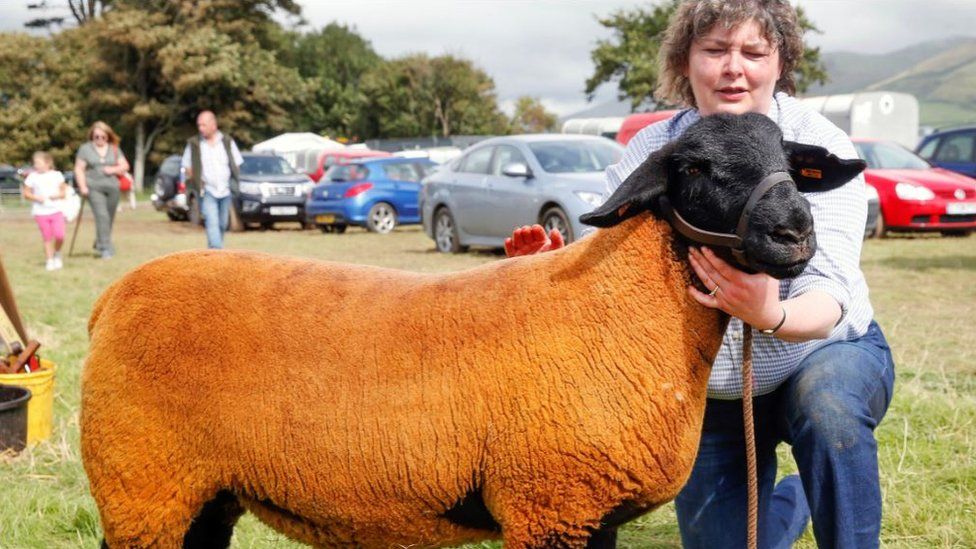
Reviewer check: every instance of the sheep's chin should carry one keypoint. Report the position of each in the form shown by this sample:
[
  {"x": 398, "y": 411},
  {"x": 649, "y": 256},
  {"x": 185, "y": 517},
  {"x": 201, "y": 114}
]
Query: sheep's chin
[{"x": 780, "y": 271}]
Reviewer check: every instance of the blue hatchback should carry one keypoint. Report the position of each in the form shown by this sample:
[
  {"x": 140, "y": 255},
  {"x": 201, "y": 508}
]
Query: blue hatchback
[
  {"x": 953, "y": 149},
  {"x": 377, "y": 194}
]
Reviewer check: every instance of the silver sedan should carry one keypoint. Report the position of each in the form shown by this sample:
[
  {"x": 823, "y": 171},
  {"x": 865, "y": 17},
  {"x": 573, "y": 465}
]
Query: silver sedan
[{"x": 505, "y": 182}]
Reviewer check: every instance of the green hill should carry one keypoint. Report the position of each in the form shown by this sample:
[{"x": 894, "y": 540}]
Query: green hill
[{"x": 940, "y": 74}]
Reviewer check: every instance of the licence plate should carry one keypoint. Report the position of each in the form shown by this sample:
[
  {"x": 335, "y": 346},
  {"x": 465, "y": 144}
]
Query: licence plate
[
  {"x": 325, "y": 219},
  {"x": 284, "y": 210},
  {"x": 961, "y": 208}
]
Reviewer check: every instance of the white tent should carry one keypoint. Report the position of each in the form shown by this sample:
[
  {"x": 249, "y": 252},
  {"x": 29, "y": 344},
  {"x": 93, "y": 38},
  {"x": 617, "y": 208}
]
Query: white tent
[{"x": 292, "y": 146}]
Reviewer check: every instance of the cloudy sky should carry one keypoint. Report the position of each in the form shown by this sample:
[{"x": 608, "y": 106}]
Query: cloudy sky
[{"x": 542, "y": 47}]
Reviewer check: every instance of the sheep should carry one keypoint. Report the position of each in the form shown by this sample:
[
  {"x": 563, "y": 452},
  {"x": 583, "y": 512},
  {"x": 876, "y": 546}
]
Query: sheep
[{"x": 542, "y": 400}]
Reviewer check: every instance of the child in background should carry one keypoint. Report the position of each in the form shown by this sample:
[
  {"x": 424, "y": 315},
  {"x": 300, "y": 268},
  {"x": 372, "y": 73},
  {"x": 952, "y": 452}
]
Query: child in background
[{"x": 44, "y": 186}]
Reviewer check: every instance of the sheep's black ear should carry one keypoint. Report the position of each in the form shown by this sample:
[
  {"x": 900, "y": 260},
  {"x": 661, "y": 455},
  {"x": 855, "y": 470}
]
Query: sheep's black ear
[
  {"x": 814, "y": 169},
  {"x": 636, "y": 193}
]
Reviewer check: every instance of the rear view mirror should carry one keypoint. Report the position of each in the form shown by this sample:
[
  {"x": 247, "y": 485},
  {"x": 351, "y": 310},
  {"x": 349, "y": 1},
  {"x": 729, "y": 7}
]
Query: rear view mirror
[{"x": 517, "y": 169}]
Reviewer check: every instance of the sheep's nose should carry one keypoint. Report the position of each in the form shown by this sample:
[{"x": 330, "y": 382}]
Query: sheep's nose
[{"x": 791, "y": 236}]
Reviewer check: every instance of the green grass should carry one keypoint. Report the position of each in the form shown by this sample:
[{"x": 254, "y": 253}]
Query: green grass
[{"x": 923, "y": 290}]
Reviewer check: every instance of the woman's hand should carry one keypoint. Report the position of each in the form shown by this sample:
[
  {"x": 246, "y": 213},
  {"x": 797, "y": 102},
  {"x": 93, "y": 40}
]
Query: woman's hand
[
  {"x": 753, "y": 298},
  {"x": 526, "y": 240},
  {"x": 111, "y": 170}
]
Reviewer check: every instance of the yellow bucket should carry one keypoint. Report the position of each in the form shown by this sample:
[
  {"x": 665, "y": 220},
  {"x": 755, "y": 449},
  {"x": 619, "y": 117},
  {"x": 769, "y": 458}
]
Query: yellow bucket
[{"x": 40, "y": 408}]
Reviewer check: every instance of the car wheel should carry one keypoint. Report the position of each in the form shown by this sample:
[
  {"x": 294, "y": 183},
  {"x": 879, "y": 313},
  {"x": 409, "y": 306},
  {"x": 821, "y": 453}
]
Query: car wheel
[
  {"x": 446, "y": 232},
  {"x": 173, "y": 216},
  {"x": 326, "y": 229},
  {"x": 193, "y": 210},
  {"x": 339, "y": 229},
  {"x": 881, "y": 230},
  {"x": 555, "y": 218},
  {"x": 381, "y": 218},
  {"x": 267, "y": 225}
]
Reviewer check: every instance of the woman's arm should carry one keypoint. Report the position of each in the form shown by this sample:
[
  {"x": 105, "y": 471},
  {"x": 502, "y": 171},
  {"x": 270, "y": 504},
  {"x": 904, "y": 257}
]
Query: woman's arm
[
  {"x": 80, "y": 167},
  {"x": 754, "y": 298}
]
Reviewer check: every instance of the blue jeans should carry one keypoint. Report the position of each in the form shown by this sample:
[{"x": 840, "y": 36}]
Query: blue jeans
[
  {"x": 216, "y": 214},
  {"x": 827, "y": 411}
]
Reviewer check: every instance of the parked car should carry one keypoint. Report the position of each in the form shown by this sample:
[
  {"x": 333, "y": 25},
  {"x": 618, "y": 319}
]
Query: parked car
[
  {"x": 953, "y": 149},
  {"x": 270, "y": 191},
  {"x": 378, "y": 194},
  {"x": 9, "y": 181},
  {"x": 169, "y": 189},
  {"x": 327, "y": 159},
  {"x": 505, "y": 182},
  {"x": 874, "y": 211},
  {"x": 914, "y": 195}
]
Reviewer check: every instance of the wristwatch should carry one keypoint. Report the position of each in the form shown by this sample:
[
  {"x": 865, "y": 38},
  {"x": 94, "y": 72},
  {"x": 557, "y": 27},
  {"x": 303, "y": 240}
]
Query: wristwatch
[{"x": 771, "y": 331}]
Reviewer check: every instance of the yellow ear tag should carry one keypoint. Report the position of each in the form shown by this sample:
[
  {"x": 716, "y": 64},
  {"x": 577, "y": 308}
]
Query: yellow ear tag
[{"x": 811, "y": 173}]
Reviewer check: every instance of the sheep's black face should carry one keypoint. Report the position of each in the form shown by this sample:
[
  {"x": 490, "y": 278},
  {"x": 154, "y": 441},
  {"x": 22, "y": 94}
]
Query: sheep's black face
[
  {"x": 713, "y": 170},
  {"x": 708, "y": 175}
]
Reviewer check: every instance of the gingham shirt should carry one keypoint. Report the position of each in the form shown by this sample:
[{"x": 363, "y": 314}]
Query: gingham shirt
[{"x": 839, "y": 217}]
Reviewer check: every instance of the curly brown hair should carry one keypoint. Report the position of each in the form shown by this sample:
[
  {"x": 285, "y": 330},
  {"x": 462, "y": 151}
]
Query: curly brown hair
[{"x": 695, "y": 18}]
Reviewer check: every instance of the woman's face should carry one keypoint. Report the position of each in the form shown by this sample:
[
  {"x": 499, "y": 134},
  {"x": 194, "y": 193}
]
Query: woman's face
[
  {"x": 99, "y": 137},
  {"x": 733, "y": 70}
]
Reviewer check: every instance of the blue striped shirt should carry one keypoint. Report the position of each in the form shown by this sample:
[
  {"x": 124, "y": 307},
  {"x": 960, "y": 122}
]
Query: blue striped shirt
[{"x": 839, "y": 217}]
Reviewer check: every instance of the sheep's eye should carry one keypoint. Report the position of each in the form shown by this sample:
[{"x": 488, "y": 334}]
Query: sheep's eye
[{"x": 692, "y": 170}]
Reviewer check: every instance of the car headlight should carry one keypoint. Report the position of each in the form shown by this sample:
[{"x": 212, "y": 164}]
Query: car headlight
[
  {"x": 593, "y": 199},
  {"x": 871, "y": 192},
  {"x": 251, "y": 188},
  {"x": 911, "y": 191},
  {"x": 305, "y": 189}
]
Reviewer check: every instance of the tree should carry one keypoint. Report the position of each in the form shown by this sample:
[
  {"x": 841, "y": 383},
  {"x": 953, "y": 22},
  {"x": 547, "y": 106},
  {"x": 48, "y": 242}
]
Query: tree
[
  {"x": 82, "y": 11},
  {"x": 41, "y": 97},
  {"x": 630, "y": 57},
  {"x": 531, "y": 116},
  {"x": 157, "y": 67},
  {"x": 333, "y": 61},
  {"x": 418, "y": 96}
]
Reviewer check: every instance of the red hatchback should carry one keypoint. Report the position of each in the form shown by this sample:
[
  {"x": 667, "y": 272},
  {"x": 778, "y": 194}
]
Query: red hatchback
[
  {"x": 330, "y": 158},
  {"x": 915, "y": 196}
]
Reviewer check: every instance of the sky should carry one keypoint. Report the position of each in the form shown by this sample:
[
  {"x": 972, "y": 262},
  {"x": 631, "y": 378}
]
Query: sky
[{"x": 541, "y": 48}]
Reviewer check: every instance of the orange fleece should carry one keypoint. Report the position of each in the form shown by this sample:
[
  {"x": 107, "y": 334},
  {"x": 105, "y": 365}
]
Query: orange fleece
[{"x": 353, "y": 406}]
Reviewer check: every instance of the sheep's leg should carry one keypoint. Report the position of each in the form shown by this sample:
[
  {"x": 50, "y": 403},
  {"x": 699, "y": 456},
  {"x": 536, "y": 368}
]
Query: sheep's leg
[
  {"x": 604, "y": 538},
  {"x": 214, "y": 526}
]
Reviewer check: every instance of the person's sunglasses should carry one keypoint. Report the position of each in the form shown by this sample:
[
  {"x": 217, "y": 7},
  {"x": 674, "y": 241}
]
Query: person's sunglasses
[{"x": 96, "y": 137}]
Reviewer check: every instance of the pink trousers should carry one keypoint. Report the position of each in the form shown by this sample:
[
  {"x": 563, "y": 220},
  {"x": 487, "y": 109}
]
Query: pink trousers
[{"x": 52, "y": 226}]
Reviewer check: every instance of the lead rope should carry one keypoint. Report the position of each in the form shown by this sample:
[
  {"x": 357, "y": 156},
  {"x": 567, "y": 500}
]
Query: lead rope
[{"x": 753, "y": 498}]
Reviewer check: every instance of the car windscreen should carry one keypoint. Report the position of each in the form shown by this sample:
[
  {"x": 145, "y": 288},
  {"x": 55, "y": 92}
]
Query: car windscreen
[
  {"x": 266, "y": 165},
  {"x": 347, "y": 172},
  {"x": 888, "y": 156},
  {"x": 576, "y": 156}
]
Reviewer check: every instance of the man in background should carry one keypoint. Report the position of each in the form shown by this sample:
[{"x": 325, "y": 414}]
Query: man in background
[{"x": 212, "y": 162}]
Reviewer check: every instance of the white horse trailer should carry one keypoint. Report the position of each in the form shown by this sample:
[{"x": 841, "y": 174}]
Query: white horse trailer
[
  {"x": 872, "y": 115},
  {"x": 605, "y": 127}
]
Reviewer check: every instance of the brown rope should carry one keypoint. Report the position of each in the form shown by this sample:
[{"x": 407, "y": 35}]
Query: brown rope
[{"x": 752, "y": 534}]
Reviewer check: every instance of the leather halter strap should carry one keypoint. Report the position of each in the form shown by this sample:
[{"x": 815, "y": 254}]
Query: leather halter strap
[{"x": 725, "y": 240}]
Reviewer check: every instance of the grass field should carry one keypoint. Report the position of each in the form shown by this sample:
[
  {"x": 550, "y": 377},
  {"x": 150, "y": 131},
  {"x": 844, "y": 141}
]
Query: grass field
[{"x": 923, "y": 291}]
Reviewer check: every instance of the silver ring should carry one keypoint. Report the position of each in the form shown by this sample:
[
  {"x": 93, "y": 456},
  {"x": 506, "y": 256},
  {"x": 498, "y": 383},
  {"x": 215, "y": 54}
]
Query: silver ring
[{"x": 715, "y": 291}]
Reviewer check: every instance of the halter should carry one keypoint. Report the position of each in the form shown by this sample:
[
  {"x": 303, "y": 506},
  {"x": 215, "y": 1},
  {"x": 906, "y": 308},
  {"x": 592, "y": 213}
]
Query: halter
[{"x": 725, "y": 240}]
